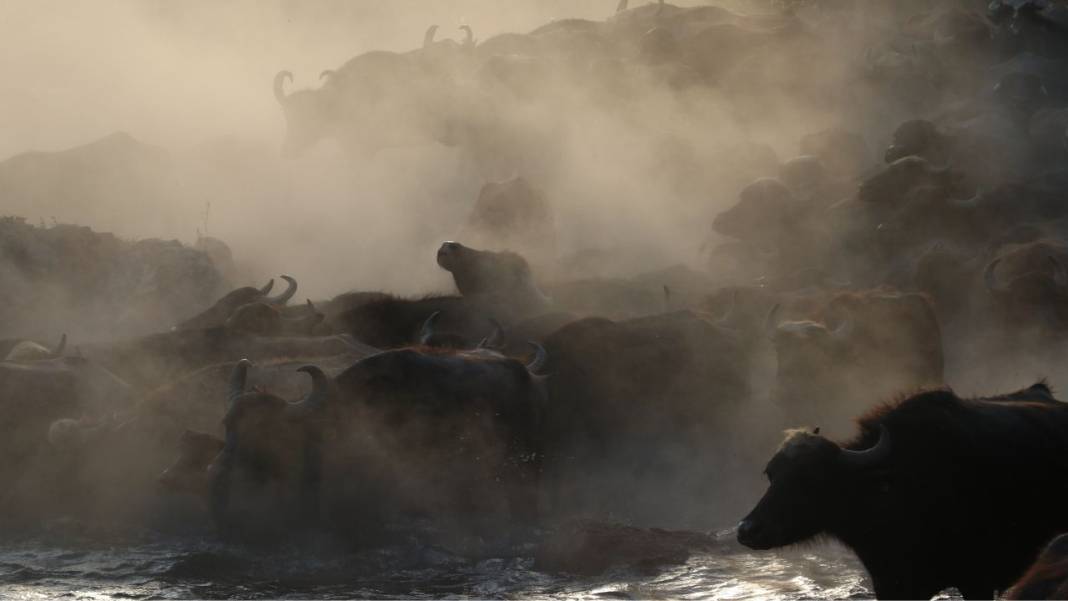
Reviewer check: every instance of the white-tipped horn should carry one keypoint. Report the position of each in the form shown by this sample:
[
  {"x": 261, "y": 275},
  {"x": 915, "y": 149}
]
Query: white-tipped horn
[
  {"x": 844, "y": 330},
  {"x": 426, "y": 332},
  {"x": 990, "y": 278},
  {"x": 771, "y": 322},
  {"x": 496, "y": 338},
  {"x": 540, "y": 358},
  {"x": 58, "y": 350},
  {"x": 316, "y": 399}
]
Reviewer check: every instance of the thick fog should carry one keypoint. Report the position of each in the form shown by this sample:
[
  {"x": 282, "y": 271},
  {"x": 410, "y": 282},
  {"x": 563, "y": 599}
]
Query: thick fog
[
  {"x": 193, "y": 80},
  {"x": 727, "y": 234}
]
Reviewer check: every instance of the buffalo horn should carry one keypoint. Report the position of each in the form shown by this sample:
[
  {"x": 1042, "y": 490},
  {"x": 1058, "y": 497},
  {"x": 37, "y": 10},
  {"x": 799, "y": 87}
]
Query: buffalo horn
[
  {"x": 869, "y": 457},
  {"x": 469, "y": 35},
  {"x": 991, "y": 279},
  {"x": 540, "y": 357},
  {"x": 237, "y": 379},
  {"x": 496, "y": 338},
  {"x": 844, "y": 330},
  {"x": 267, "y": 287},
  {"x": 283, "y": 298},
  {"x": 427, "y": 331},
  {"x": 279, "y": 85},
  {"x": 316, "y": 399},
  {"x": 771, "y": 323},
  {"x": 58, "y": 351}
]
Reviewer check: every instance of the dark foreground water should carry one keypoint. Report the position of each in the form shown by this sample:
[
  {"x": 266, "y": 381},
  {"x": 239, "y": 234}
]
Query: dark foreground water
[{"x": 72, "y": 567}]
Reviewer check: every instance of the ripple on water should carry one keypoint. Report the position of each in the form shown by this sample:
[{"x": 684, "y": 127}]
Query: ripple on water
[{"x": 168, "y": 569}]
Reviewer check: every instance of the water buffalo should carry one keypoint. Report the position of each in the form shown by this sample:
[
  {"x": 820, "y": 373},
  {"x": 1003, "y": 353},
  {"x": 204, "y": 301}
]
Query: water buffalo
[
  {"x": 1028, "y": 286},
  {"x": 448, "y": 429},
  {"x": 415, "y": 429},
  {"x": 513, "y": 214},
  {"x": 265, "y": 319},
  {"x": 928, "y": 493},
  {"x": 500, "y": 277},
  {"x": 870, "y": 344},
  {"x": 33, "y": 396},
  {"x": 897, "y": 179},
  {"x": 189, "y": 472},
  {"x": 392, "y": 322},
  {"x": 431, "y": 337},
  {"x": 217, "y": 314},
  {"x": 268, "y": 469},
  {"x": 769, "y": 216},
  {"x": 765, "y": 209},
  {"x": 631, "y": 401},
  {"x": 843, "y": 152},
  {"x": 373, "y": 88}
]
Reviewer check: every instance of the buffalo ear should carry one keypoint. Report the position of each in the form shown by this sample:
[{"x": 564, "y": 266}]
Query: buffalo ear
[{"x": 816, "y": 431}]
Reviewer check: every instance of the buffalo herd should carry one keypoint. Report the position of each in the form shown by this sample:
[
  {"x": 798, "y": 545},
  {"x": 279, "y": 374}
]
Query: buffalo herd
[{"x": 849, "y": 280}]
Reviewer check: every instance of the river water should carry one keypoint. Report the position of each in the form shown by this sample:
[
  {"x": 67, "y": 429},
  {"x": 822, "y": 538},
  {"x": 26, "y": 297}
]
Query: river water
[{"x": 69, "y": 566}]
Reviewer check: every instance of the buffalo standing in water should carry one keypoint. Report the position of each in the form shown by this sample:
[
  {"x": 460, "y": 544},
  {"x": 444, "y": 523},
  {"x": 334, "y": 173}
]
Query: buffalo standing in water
[
  {"x": 930, "y": 494},
  {"x": 414, "y": 429}
]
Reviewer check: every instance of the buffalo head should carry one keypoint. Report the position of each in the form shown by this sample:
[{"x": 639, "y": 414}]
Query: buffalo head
[{"x": 809, "y": 480}]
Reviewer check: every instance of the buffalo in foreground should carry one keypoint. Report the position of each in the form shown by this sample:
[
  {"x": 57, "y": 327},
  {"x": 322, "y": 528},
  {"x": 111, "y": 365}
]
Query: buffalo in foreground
[{"x": 936, "y": 491}]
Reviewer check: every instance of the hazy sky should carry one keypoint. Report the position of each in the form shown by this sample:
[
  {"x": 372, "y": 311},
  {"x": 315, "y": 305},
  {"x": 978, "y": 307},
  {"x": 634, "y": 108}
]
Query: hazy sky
[{"x": 174, "y": 73}]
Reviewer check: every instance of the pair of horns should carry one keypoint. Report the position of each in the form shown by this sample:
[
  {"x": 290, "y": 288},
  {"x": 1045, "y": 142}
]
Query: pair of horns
[
  {"x": 494, "y": 341},
  {"x": 431, "y": 32},
  {"x": 841, "y": 333},
  {"x": 1060, "y": 275},
  {"x": 313, "y": 400},
  {"x": 281, "y": 299}
]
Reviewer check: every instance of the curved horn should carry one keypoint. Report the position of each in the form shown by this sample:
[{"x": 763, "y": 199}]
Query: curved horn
[
  {"x": 316, "y": 399},
  {"x": 728, "y": 315},
  {"x": 540, "y": 358},
  {"x": 58, "y": 350},
  {"x": 469, "y": 36},
  {"x": 968, "y": 203},
  {"x": 428, "y": 37},
  {"x": 496, "y": 338},
  {"x": 1060, "y": 276},
  {"x": 279, "y": 85},
  {"x": 869, "y": 457},
  {"x": 283, "y": 298},
  {"x": 267, "y": 287},
  {"x": 622, "y": 6},
  {"x": 237, "y": 379},
  {"x": 771, "y": 323},
  {"x": 844, "y": 329},
  {"x": 325, "y": 73},
  {"x": 427, "y": 331},
  {"x": 991, "y": 279}
]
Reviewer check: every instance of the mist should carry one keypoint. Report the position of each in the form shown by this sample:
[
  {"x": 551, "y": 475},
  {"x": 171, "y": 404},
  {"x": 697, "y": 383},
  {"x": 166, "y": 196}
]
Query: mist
[
  {"x": 679, "y": 230},
  {"x": 193, "y": 80}
]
